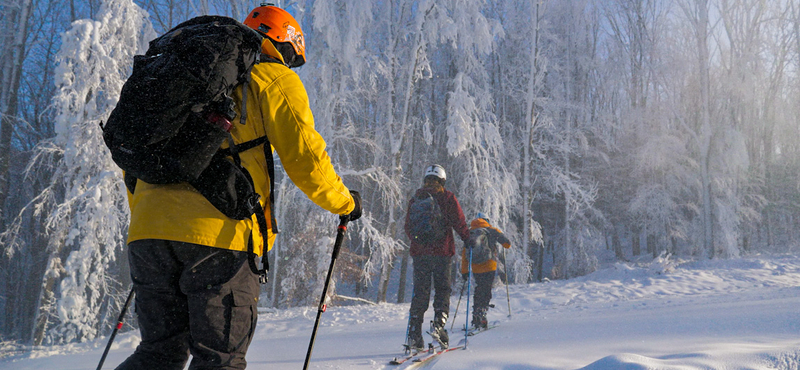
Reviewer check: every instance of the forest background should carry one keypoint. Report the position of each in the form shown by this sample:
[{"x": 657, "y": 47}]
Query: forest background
[{"x": 590, "y": 131}]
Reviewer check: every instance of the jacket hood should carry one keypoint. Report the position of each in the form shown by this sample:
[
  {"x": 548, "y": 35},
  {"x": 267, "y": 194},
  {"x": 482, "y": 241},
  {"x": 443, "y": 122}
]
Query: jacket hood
[
  {"x": 478, "y": 223},
  {"x": 268, "y": 48}
]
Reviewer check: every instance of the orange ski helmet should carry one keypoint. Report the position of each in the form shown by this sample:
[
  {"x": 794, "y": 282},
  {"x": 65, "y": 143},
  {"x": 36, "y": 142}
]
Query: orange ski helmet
[{"x": 279, "y": 26}]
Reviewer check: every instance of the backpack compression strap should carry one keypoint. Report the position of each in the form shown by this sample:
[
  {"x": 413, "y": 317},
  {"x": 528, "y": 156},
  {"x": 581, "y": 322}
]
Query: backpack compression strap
[
  {"x": 255, "y": 206},
  {"x": 247, "y": 145}
]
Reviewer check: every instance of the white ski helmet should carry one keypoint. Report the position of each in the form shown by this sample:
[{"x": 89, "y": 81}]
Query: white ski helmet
[{"x": 435, "y": 170}]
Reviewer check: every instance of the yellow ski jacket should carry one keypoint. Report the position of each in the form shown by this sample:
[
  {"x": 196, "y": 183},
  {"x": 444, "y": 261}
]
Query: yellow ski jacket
[{"x": 277, "y": 106}]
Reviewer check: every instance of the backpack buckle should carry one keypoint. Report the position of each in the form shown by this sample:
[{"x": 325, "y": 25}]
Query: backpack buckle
[{"x": 252, "y": 203}]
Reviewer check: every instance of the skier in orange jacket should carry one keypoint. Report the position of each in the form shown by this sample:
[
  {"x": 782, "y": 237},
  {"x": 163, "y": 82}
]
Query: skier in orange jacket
[{"x": 483, "y": 272}]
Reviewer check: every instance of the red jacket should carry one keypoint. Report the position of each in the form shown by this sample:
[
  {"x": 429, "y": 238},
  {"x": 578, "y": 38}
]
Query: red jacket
[{"x": 455, "y": 220}]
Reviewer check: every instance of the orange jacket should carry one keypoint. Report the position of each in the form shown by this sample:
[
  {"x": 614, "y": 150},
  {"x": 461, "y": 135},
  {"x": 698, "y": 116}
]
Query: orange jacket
[
  {"x": 497, "y": 237},
  {"x": 277, "y": 106}
]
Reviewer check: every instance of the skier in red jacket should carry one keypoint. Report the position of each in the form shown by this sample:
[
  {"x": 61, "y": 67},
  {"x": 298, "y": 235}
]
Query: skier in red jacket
[{"x": 431, "y": 258}]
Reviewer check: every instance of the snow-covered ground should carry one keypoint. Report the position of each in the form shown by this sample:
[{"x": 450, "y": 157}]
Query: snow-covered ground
[{"x": 718, "y": 314}]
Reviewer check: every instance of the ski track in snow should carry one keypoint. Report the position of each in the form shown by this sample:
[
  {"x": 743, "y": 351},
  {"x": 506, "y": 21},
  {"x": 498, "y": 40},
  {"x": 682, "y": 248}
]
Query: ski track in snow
[{"x": 711, "y": 314}]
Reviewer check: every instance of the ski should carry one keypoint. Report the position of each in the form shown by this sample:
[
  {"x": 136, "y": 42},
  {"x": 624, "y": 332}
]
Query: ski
[
  {"x": 408, "y": 357},
  {"x": 400, "y": 360},
  {"x": 473, "y": 330},
  {"x": 420, "y": 361},
  {"x": 476, "y": 331}
]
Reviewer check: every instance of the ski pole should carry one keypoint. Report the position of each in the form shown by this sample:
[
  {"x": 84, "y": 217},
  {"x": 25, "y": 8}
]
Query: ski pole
[
  {"x": 455, "y": 314},
  {"x": 469, "y": 280},
  {"x": 343, "y": 220},
  {"x": 116, "y": 329},
  {"x": 505, "y": 268},
  {"x": 408, "y": 328},
  {"x": 407, "y": 346}
]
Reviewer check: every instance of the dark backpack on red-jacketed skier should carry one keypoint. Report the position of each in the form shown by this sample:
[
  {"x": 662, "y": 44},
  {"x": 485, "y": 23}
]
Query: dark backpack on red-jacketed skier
[
  {"x": 175, "y": 111},
  {"x": 427, "y": 223}
]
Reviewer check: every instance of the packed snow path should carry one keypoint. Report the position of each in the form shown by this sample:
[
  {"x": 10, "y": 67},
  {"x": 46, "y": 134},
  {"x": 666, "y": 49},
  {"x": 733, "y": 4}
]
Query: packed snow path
[{"x": 734, "y": 314}]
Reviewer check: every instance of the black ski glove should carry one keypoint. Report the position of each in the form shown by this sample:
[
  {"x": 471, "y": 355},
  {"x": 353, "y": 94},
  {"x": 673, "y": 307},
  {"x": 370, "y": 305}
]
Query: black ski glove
[{"x": 356, "y": 213}]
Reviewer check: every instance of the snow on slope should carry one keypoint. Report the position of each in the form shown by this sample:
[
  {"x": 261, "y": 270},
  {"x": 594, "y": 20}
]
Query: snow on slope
[{"x": 711, "y": 314}]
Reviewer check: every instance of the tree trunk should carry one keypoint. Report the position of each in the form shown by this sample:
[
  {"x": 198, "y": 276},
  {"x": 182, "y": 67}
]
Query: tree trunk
[
  {"x": 44, "y": 309},
  {"x": 617, "y": 245},
  {"x": 651, "y": 245},
  {"x": 401, "y": 286},
  {"x": 796, "y": 15},
  {"x": 9, "y": 89},
  {"x": 527, "y": 156},
  {"x": 386, "y": 273},
  {"x": 673, "y": 242},
  {"x": 539, "y": 262},
  {"x": 701, "y": 32}
]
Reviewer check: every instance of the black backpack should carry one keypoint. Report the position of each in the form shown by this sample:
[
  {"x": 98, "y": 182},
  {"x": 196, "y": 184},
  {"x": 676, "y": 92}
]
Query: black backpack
[
  {"x": 170, "y": 118},
  {"x": 174, "y": 113},
  {"x": 426, "y": 221},
  {"x": 481, "y": 244}
]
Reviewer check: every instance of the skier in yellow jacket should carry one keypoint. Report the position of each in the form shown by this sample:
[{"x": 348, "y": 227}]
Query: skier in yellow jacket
[
  {"x": 483, "y": 272},
  {"x": 195, "y": 292}
]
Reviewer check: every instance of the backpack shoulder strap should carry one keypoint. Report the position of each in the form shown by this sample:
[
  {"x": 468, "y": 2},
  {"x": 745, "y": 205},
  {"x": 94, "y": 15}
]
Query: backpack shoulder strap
[
  {"x": 233, "y": 150},
  {"x": 256, "y": 205}
]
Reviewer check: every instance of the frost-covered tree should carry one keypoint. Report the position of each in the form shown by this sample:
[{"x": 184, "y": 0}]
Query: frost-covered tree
[
  {"x": 345, "y": 109},
  {"x": 472, "y": 130},
  {"x": 521, "y": 64},
  {"x": 84, "y": 205},
  {"x": 566, "y": 127},
  {"x": 29, "y": 120},
  {"x": 330, "y": 74},
  {"x": 15, "y": 16},
  {"x": 642, "y": 190},
  {"x": 754, "y": 61},
  {"x": 697, "y": 120}
]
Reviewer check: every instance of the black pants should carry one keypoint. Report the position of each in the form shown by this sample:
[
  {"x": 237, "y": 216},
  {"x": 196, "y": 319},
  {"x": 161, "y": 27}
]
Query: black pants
[
  {"x": 191, "y": 299},
  {"x": 483, "y": 289},
  {"x": 429, "y": 270}
]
